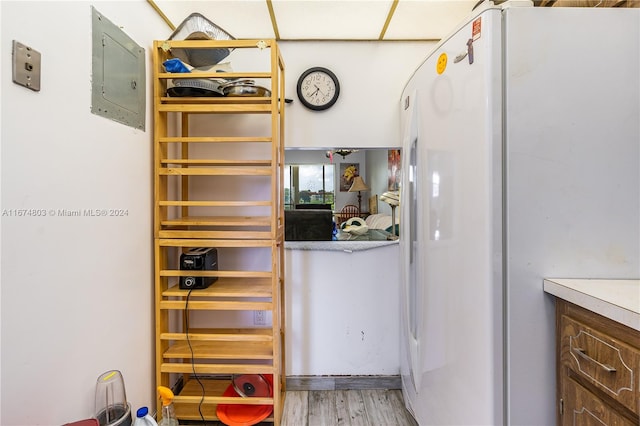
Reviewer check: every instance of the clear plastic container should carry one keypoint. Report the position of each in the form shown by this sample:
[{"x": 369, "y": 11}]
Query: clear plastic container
[
  {"x": 168, "y": 411},
  {"x": 112, "y": 407}
]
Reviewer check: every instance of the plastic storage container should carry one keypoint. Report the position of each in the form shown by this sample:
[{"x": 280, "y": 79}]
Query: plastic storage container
[{"x": 112, "y": 408}]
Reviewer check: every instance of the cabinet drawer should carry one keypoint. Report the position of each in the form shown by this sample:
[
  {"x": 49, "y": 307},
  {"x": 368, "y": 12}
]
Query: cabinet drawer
[
  {"x": 581, "y": 407},
  {"x": 607, "y": 363}
]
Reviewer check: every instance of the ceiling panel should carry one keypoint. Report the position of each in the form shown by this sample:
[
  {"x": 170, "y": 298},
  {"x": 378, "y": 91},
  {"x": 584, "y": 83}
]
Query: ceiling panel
[
  {"x": 331, "y": 19},
  {"x": 427, "y": 19},
  {"x": 325, "y": 19},
  {"x": 341, "y": 19},
  {"x": 240, "y": 18}
]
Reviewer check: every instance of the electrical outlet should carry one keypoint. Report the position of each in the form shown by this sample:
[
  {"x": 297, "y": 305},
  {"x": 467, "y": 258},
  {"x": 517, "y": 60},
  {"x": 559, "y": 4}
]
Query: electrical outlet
[{"x": 259, "y": 318}]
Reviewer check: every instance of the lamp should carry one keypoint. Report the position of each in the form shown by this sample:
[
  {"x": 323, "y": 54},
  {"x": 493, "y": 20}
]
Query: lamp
[
  {"x": 393, "y": 199},
  {"x": 357, "y": 186}
]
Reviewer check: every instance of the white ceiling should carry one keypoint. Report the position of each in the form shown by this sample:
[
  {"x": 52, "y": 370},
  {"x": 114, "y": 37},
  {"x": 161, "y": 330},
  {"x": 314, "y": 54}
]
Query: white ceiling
[
  {"x": 341, "y": 19},
  {"x": 325, "y": 19}
]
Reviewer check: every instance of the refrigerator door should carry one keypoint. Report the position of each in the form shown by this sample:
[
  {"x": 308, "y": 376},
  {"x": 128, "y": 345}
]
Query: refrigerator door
[{"x": 451, "y": 207}]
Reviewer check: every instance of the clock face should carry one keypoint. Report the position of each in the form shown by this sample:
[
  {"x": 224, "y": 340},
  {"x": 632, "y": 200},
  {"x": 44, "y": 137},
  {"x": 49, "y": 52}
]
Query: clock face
[{"x": 318, "y": 88}]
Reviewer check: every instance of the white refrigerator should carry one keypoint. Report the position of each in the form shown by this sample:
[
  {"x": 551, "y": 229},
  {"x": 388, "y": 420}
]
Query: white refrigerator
[{"x": 521, "y": 160}]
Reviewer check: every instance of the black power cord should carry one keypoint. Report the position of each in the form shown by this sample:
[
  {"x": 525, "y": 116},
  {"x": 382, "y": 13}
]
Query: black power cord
[{"x": 193, "y": 364}]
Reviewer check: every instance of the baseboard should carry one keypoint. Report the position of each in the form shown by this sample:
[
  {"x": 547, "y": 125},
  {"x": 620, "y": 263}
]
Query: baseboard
[{"x": 306, "y": 383}]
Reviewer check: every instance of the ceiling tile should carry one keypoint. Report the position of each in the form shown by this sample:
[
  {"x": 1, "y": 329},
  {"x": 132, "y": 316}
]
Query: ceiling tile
[
  {"x": 331, "y": 19},
  {"x": 427, "y": 19},
  {"x": 326, "y": 19},
  {"x": 334, "y": 19},
  {"x": 248, "y": 19}
]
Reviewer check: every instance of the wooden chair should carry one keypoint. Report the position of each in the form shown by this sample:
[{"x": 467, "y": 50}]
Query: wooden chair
[{"x": 347, "y": 213}]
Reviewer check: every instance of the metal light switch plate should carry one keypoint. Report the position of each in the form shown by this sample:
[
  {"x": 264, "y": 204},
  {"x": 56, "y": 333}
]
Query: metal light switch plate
[{"x": 26, "y": 66}]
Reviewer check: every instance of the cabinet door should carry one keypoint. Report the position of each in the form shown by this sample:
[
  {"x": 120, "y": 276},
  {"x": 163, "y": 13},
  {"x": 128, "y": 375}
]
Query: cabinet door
[
  {"x": 607, "y": 363},
  {"x": 582, "y": 408}
]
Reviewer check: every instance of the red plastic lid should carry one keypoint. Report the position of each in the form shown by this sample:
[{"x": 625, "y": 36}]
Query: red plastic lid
[
  {"x": 85, "y": 422},
  {"x": 242, "y": 415}
]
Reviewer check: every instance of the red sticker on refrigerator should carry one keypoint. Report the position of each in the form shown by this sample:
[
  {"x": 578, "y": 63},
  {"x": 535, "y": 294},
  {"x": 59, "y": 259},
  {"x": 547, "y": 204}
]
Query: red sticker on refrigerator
[{"x": 476, "y": 29}]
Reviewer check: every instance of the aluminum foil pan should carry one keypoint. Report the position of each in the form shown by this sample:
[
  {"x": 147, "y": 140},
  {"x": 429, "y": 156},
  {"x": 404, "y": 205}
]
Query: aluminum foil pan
[{"x": 197, "y": 27}]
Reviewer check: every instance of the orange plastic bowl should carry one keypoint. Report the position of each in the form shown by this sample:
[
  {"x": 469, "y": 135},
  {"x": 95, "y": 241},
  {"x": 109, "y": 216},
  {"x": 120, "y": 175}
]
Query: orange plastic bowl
[{"x": 243, "y": 415}]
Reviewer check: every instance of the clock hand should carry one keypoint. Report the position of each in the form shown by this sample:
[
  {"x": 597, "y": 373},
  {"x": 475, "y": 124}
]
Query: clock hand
[{"x": 318, "y": 90}]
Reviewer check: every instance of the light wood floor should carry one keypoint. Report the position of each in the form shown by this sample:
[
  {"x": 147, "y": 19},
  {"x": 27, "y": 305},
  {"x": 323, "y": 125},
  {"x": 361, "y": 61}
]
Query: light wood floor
[{"x": 366, "y": 407}]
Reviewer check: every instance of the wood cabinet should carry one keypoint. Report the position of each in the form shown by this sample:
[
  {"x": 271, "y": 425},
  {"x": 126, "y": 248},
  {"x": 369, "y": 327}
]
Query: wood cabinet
[
  {"x": 598, "y": 369},
  {"x": 219, "y": 184}
]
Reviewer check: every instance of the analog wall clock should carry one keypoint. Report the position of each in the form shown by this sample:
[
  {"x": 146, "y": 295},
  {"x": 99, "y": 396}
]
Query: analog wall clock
[{"x": 318, "y": 88}]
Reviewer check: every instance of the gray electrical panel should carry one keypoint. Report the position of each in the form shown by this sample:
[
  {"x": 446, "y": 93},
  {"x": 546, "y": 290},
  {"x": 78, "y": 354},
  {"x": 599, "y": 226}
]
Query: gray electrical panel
[{"x": 118, "y": 89}]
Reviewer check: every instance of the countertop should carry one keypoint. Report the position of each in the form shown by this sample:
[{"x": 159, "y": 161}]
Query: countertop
[
  {"x": 346, "y": 242},
  {"x": 618, "y": 300},
  {"x": 346, "y": 246}
]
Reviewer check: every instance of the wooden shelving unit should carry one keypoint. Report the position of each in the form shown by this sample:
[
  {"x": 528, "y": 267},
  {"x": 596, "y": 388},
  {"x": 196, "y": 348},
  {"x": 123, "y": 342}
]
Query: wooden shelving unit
[{"x": 196, "y": 168}]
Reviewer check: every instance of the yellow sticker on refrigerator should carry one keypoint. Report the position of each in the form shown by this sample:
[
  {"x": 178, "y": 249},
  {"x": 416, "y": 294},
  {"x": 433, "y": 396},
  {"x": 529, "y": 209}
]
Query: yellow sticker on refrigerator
[{"x": 441, "y": 65}]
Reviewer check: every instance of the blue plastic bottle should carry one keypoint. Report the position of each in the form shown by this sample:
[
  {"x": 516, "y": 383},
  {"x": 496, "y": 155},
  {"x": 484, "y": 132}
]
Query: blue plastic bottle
[{"x": 143, "y": 418}]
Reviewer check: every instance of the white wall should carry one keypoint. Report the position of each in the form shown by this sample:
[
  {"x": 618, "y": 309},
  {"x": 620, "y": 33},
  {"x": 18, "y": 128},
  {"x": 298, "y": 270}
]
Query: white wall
[
  {"x": 379, "y": 182},
  {"x": 372, "y": 76},
  {"x": 343, "y": 312},
  {"x": 76, "y": 291}
]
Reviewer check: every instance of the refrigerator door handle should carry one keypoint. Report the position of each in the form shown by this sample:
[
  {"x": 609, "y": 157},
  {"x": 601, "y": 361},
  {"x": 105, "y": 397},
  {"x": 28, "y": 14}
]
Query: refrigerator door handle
[{"x": 409, "y": 243}]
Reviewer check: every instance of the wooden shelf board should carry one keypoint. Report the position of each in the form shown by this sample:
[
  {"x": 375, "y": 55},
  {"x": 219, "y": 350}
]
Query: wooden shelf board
[
  {"x": 208, "y": 412},
  {"x": 225, "y": 287},
  {"x": 223, "y": 334},
  {"x": 214, "y": 171},
  {"x": 236, "y": 400},
  {"x": 187, "y": 368},
  {"x": 214, "y": 139},
  {"x": 218, "y": 221},
  {"x": 212, "y": 387},
  {"x": 188, "y": 242},
  {"x": 220, "y": 350},
  {"x": 257, "y": 107},
  {"x": 216, "y": 75},
  {"x": 224, "y": 235},
  {"x": 208, "y": 44},
  {"x": 195, "y": 203},
  {"x": 216, "y": 162},
  {"x": 213, "y": 391},
  {"x": 227, "y": 305},
  {"x": 244, "y": 275}
]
